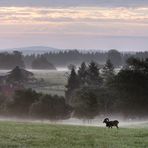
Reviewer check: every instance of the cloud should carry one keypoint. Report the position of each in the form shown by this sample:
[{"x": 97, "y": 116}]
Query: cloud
[
  {"x": 87, "y": 21},
  {"x": 35, "y": 15},
  {"x": 41, "y": 23},
  {"x": 65, "y": 3}
]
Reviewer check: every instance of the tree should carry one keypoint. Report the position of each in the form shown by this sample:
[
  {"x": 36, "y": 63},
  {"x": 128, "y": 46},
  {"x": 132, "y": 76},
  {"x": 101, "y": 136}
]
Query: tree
[
  {"x": 108, "y": 72},
  {"x": 137, "y": 65},
  {"x": 50, "y": 107},
  {"x": 18, "y": 59},
  {"x": 19, "y": 75},
  {"x": 72, "y": 84},
  {"x": 11, "y": 60},
  {"x": 132, "y": 85},
  {"x": 42, "y": 63},
  {"x": 82, "y": 74},
  {"x": 21, "y": 102},
  {"x": 115, "y": 57},
  {"x": 84, "y": 103},
  {"x": 93, "y": 77},
  {"x": 3, "y": 101},
  {"x": 73, "y": 81}
]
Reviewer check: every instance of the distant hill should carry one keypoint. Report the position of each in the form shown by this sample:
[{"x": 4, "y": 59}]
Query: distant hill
[{"x": 32, "y": 49}]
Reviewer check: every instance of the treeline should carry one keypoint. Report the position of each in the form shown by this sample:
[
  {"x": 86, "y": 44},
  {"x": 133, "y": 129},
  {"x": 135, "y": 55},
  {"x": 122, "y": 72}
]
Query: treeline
[
  {"x": 11, "y": 60},
  {"x": 27, "y": 103},
  {"x": 64, "y": 58},
  {"x": 41, "y": 62},
  {"x": 92, "y": 91}
]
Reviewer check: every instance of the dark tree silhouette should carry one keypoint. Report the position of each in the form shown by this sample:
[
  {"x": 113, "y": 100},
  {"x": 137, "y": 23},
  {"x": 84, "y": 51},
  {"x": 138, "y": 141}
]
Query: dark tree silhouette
[
  {"x": 11, "y": 60},
  {"x": 82, "y": 74},
  {"x": 73, "y": 81},
  {"x": 19, "y": 75},
  {"x": 22, "y": 100},
  {"x": 65, "y": 57},
  {"x": 41, "y": 62},
  {"x": 132, "y": 85},
  {"x": 85, "y": 103},
  {"x": 108, "y": 73},
  {"x": 50, "y": 107},
  {"x": 93, "y": 76},
  {"x": 115, "y": 57},
  {"x": 72, "y": 84}
]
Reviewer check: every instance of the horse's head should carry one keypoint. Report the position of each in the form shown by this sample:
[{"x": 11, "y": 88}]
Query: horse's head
[{"x": 106, "y": 120}]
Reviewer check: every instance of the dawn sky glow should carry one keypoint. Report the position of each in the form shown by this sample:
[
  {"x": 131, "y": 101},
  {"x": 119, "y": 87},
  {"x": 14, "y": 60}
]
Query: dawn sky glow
[{"x": 83, "y": 24}]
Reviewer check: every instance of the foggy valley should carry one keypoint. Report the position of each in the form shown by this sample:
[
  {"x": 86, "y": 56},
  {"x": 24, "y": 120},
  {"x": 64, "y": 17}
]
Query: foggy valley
[{"x": 73, "y": 74}]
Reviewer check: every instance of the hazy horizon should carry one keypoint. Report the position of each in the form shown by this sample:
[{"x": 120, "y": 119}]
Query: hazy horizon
[
  {"x": 67, "y": 24},
  {"x": 51, "y": 48}
]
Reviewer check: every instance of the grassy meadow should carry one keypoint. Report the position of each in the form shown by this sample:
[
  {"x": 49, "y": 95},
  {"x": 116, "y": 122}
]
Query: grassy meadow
[
  {"x": 38, "y": 135},
  {"x": 54, "y": 81}
]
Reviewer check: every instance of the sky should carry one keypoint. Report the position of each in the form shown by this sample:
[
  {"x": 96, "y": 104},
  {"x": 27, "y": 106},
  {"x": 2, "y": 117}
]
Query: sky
[{"x": 81, "y": 24}]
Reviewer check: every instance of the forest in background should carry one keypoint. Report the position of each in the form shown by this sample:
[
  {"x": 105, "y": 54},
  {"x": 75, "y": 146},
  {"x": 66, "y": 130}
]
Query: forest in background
[
  {"x": 94, "y": 91},
  {"x": 90, "y": 91},
  {"x": 64, "y": 58}
]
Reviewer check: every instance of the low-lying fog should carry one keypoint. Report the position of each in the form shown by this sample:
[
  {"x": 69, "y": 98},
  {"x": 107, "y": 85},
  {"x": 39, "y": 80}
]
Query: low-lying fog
[
  {"x": 62, "y": 69},
  {"x": 57, "y": 69},
  {"x": 98, "y": 122},
  {"x": 73, "y": 121}
]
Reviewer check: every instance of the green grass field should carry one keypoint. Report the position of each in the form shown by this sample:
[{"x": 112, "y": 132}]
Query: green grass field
[
  {"x": 37, "y": 135},
  {"x": 55, "y": 81}
]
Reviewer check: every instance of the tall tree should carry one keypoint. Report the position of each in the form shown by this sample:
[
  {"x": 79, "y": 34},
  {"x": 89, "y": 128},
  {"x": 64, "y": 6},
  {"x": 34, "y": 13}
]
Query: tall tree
[
  {"x": 93, "y": 77},
  {"x": 108, "y": 72},
  {"x": 132, "y": 85},
  {"x": 19, "y": 75},
  {"x": 18, "y": 59},
  {"x": 11, "y": 60},
  {"x": 82, "y": 74},
  {"x": 72, "y": 85},
  {"x": 42, "y": 63},
  {"x": 73, "y": 81},
  {"x": 85, "y": 103},
  {"x": 115, "y": 57}
]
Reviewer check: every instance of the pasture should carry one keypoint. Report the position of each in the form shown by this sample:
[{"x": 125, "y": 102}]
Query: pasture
[
  {"x": 52, "y": 81},
  {"x": 38, "y": 135}
]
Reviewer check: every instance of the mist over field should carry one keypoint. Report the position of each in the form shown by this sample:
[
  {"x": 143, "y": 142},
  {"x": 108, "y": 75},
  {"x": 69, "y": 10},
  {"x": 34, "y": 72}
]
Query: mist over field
[
  {"x": 93, "y": 79},
  {"x": 97, "y": 122},
  {"x": 74, "y": 74}
]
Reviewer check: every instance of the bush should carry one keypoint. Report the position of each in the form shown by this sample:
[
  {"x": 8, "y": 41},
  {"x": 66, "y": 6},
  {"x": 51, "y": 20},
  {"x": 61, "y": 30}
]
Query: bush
[
  {"x": 50, "y": 107},
  {"x": 21, "y": 102}
]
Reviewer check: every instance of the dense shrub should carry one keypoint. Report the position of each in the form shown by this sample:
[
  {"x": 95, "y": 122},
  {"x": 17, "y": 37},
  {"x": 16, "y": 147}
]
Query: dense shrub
[{"x": 50, "y": 107}]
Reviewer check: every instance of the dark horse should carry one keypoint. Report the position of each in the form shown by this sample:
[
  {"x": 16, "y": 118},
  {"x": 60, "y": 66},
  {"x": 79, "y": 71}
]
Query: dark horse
[{"x": 110, "y": 124}]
